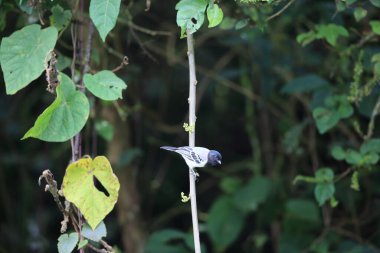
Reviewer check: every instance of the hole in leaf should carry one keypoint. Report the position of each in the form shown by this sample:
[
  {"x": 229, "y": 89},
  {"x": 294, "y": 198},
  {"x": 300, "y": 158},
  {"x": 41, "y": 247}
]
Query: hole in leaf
[
  {"x": 111, "y": 86},
  {"x": 194, "y": 20},
  {"x": 98, "y": 185}
]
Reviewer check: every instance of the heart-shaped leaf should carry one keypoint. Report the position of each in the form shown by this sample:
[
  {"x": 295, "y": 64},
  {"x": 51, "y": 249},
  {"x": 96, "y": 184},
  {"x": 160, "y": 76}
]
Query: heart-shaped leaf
[
  {"x": 60, "y": 18},
  {"x": 94, "y": 235},
  {"x": 104, "y": 15},
  {"x": 190, "y": 15},
  {"x": 65, "y": 117},
  {"x": 23, "y": 55},
  {"x": 67, "y": 242},
  {"x": 105, "y": 85},
  {"x": 78, "y": 187}
]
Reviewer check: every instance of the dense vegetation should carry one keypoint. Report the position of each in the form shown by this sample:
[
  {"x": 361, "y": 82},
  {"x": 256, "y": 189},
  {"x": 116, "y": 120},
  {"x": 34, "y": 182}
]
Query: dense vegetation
[{"x": 287, "y": 91}]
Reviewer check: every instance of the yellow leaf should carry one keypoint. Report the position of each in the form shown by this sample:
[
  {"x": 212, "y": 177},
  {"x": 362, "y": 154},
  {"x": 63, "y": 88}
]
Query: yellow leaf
[{"x": 78, "y": 187}]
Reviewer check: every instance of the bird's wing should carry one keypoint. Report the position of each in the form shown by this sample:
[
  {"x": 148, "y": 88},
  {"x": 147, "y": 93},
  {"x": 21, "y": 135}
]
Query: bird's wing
[{"x": 194, "y": 155}]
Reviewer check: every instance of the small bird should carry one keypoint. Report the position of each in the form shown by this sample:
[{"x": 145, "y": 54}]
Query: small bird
[{"x": 197, "y": 157}]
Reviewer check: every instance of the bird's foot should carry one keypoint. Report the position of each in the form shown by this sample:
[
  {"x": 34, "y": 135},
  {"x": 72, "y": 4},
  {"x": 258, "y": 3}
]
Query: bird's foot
[{"x": 194, "y": 173}]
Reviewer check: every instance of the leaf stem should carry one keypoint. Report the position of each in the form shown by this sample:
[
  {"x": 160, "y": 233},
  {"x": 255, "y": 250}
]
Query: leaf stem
[{"x": 192, "y": 119}]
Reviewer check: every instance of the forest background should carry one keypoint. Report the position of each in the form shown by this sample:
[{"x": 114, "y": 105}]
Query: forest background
[{"x": 288, "y": 92}]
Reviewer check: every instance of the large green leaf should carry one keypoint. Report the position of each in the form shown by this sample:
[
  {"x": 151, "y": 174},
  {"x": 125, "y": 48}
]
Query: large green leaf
[
  {"x": 190, "y": 15},
  {"x": 105, "y": 85},
  {"x": 255, "y": 192},
  {"x": 302, "y": 209},
  {"x": 78, "y": 187},
  {"x": 304, "y": 84},
  {"x": 67, "y": 242},
  {"x": 23, "y": 55},
  {"x": 104, "y": 15},
  {"x": 65, "y": 117},
  {"x": 224, "y": 223}
]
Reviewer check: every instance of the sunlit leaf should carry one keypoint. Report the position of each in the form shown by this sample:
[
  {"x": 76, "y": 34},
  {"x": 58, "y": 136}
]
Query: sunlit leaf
[
  {"x": 355, "y": 181},
  {"x": 331, "y": 32},
  {"x": 375, "y": 25},
  {"x": 214, "y": 15},
  {"x": 104, "y": 14},
  {"x": 78, "y": 187},
  {"x": 359, "y": 13},
  {"x": 67, "y": 242},
  {"x": 23, "y": 55},
  {"x": 65, "y": 117}
]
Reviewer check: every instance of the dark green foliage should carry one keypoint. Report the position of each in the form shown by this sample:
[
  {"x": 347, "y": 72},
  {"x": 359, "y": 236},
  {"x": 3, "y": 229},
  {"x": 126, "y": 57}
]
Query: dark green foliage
[{"x": 290, "y": 98}]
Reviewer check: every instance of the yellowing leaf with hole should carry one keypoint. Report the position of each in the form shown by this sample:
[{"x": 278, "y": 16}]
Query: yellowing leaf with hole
[{"x": 79, "y": 188}]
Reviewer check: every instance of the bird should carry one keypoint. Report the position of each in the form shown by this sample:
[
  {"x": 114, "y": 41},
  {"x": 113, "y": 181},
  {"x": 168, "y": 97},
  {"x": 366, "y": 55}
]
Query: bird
[{"x": 197, "y": 157}]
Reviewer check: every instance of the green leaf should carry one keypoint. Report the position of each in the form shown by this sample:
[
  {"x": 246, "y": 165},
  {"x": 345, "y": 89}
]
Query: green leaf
[
  {"x": 302, "y": 209},
  {"x": 375, "y": 25},
  {"x": 105, "y": 85},
  {"x": 78, "y": 187},
  {"x": 94, "y": 235},
  {"x": 214, "y": 15},
  {"x": 375, "y": 3},
  {"x": 230, "y": 184},
  {"x": 338, "y": 153},
  {"x": 190, "y": 15},
  {"x": 376, "y": 70},
  {"x": 304, "y": 84},
  {"x": 60, "y": 18},
  {"x": 331, "y": 32},
  {"x": 325, "y": 189},
  {"x": 104, "y": 129},
  {"x": 65, "y": 117},
  {"x": 353, "y": 157},
  {"x": 355, "y": 181},
  {"x": 82, "y": 243},
  {"x": 370, "y": 146},
  {"x": 375, "y": 58},
  {"x": 159, "y": 242},
  {"x": 335, "y": 109},
  {"x": 255, "y": 192},
  {"x": 23, "y": 55},
  {"x": 306, "y": 38},
  {"x": 67, "y": 242},
  {"x": 224, "y": 223},
  {"x": 324, "y": 175},
  {"x": 228, "y": 23},
  {"x": 323, "y": 192},
  {"x": 241, "y": 24},
  {"x": 104, "y": 15},
  {"x": 359, "y": 13}
]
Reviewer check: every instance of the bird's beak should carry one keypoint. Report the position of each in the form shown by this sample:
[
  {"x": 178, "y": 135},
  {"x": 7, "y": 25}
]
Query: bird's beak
[{"x": 219, "y": 162}]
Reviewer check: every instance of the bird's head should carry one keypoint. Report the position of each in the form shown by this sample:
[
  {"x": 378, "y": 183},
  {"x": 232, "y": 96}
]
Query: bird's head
[{"x": 214, "y": 158}]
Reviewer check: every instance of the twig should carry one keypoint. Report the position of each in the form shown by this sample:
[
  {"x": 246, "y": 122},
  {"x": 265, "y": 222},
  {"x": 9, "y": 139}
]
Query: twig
[
  {"x": 192, "y": 119},
  {"x": 280, "y": 11},
  {"x": 123, "y": 63},
  {"x": 371, "y": 125},
  {"x": 148, "y": 3}
]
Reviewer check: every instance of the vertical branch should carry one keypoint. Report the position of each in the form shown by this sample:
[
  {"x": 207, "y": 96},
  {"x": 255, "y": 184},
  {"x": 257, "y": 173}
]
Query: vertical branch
[{"x": 192, "y": 119}]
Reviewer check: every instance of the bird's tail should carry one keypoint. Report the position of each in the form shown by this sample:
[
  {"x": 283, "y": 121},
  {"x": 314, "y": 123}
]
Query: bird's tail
[{"x": 169, "y": 148}]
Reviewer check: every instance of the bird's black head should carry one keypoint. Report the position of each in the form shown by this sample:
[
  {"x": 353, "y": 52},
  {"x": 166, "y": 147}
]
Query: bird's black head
[{"x": 214, "y": 158}]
